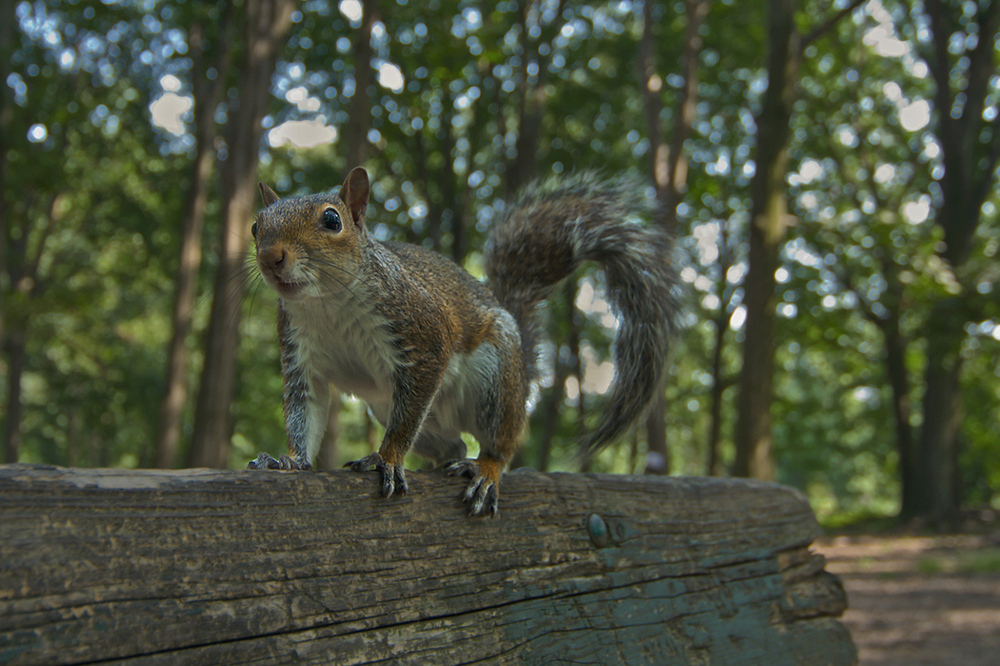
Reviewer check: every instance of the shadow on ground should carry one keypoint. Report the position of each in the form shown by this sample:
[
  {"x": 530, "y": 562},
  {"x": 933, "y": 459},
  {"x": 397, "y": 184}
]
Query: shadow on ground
[{"x": 918, "y": 600}]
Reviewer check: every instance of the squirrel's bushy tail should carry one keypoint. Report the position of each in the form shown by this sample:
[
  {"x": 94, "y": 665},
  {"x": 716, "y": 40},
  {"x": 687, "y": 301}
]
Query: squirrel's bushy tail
[{"x": 554, "y": 226}]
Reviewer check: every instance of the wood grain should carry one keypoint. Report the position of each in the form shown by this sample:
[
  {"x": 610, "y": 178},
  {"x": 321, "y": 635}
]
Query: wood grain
[{"x": 223, "y": 567}]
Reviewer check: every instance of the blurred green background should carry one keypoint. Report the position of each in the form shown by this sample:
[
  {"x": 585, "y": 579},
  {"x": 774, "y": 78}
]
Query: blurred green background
[{"x": 132, "y": 135}]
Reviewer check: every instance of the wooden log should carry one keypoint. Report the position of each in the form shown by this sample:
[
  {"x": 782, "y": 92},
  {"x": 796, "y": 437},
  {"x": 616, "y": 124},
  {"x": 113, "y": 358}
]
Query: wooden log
[{"x": 223, "y": 567}]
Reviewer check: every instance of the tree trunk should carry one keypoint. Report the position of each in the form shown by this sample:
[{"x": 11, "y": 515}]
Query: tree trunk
[
  {"x": 206, "y": 97},
  {"x": 224, "y": 567},
  {"x": 668, "y": 166},
  {"x": 8, "y": 29},
  {"x": 552, "y": 402},
  {"x": 448, "y": 184},
  {"x": 657, "y": 453},
  {"x": 533, "y": 97},
  {"x": 721, "y": 323},
  {"x": 910, "y": 482},
  {"x": 573, "y": 342},
  {"x": 970, "y": 149},
  {"x": 359, "y": 122},
  {"x": 939, "y": 436},
  {"x": 941, "y": 423},
  {"x": 714, "y": 465},
  {"x": 372, "y": 434},
  {"x": 458, "y": 222},
  {"x": 687, "y": 104},
  {"x": 265, "y": 26},
  {"x": 531, "y": 105},
  {"x": 552, "y": 406},
  {"x": 26, "y": 285},
  {"x": 439, "y": 185},
  {"x": 754, "y": 456},
  {"x": 14, "y": 346},
  {"x": 328, "y": 455}
]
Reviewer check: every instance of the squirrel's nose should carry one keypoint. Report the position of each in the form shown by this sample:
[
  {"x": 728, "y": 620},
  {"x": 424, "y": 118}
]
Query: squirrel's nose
[{"x": 273, "y": 259}]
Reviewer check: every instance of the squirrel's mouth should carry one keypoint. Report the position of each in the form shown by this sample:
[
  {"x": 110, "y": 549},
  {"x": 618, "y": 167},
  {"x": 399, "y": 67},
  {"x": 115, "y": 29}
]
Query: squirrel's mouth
[
  {"x": 277, "y": 280},
  {"x": 287, "y": 289}
]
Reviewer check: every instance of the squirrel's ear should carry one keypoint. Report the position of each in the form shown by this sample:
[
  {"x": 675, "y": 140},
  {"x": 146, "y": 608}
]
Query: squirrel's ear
[
  {"x": 355, "y": 192},
  {"x": 267, "y": 194}
]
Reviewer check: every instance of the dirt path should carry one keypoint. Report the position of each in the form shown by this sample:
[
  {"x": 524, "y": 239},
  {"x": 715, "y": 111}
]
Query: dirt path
[{"x": 920, "y": 600}]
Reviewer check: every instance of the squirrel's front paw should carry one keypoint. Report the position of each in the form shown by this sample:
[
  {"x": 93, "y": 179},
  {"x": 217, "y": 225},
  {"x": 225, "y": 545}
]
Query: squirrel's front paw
[
  {"x": 265, "y": 461},
  {"x": 393, "y": 476},
  {"x": 481, "y": 494}
]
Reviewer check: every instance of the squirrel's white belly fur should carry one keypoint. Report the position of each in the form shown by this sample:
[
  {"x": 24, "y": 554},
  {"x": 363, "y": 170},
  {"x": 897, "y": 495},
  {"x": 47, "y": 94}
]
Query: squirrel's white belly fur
[
  {"x": 341, "y": 342},
  {"x": 345, "y": 344},
  {"x": 457, "y": 400},
  {"x": 472, "y": 376}
]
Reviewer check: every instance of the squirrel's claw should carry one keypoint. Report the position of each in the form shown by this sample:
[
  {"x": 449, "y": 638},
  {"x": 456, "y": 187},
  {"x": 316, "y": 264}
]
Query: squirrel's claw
[
  {"x": 481, "y": 494},
  {"x": 263, "y": 461},
  {"x": 284, "y": 462},
  {"x": 393, "y": 476},
  {"x": 393, "y": 480}
]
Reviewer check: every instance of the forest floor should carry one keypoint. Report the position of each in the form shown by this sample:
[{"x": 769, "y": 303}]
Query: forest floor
[{"x": 920, "y": 600}]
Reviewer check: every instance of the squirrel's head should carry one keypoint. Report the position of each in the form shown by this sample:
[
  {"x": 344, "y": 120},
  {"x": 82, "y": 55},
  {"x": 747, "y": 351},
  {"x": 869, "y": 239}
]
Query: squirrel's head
[{"x": 310, "y": 246}]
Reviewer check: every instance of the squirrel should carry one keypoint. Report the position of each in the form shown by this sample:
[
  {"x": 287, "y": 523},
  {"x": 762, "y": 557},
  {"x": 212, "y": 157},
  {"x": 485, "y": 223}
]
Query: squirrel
[{"x": 435, "y": 352}]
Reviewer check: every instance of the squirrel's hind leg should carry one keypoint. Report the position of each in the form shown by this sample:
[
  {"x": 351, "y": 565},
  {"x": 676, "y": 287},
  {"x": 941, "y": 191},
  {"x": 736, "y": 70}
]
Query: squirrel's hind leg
[
  {"x": 500, "y": 421},
  {"x": 438, "y": 445},
  {"x": 499, "y": 392}
]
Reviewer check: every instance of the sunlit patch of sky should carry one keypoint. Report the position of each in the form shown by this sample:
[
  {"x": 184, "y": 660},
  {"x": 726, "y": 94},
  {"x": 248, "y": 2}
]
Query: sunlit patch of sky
[
  {"x": 37, "y": 133},
  {"x": 168, "y": 109},
  {"x": 884, "y": 173},
  {"x": 808, "y": 171},
  {"x": 467, "y": 22},
  {"x": 597, "y": 375},
  {"x": 988, "y": 328},
  {"x": 300, "y": 97},
  {"x": 882, "y": 37},
  {"x": 351, "y": 9},
  {"x": 739, "y": 318},
  {"x": 390, "y": 76},
  {"x": 916, "y": 212},
  {"x": 302, "y": 133},
  {"x": 591, "y": 301},
  {"x": 707, "y": 237},
  {"x": 914, "y": 115}
]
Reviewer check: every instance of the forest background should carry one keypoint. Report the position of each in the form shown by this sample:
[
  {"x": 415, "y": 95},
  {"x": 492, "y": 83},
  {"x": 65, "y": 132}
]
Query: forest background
[{"x": 830, "y": 169}]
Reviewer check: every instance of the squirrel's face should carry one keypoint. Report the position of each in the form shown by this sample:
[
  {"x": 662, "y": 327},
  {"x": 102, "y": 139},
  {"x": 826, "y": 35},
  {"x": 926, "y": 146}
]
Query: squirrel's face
[{"x": 311, "y": 246}]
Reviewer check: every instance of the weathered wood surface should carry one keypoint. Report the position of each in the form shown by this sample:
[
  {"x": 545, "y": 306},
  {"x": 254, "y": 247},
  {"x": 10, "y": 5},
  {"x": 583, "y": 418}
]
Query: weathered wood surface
[{"x": 217, "y": 567}]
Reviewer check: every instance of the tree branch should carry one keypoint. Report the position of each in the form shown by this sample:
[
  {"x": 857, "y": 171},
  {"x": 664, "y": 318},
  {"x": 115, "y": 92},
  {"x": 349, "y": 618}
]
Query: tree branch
[
  {"x": 939, "y": 64},
  {"x": 829, "y": 24}
]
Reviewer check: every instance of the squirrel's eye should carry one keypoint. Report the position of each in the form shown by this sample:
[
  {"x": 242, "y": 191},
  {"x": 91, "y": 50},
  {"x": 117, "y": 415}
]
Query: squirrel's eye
[
  {"x": 331, "y": 220},
  {"x": 253, "y": 230}
]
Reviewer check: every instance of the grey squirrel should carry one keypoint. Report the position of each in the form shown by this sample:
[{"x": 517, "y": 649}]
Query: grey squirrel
[{"x": 433, "y": 351}]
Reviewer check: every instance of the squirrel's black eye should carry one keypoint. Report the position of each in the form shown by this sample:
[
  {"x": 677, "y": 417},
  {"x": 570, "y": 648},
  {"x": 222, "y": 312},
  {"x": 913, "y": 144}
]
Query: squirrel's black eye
[
  {"x": 331, "y": 220},
  {"x": 253, "y": 230}
]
